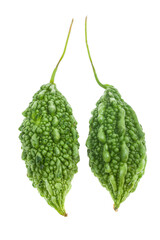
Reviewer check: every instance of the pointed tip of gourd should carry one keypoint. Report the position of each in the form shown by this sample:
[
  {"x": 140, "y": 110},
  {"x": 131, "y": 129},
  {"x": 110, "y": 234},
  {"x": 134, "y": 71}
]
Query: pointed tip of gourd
[
  {"x": 65, "y": 215},
  {"x": 115, "y": 208}
]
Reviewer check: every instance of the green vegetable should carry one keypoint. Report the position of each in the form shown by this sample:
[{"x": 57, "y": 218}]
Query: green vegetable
[
  {"x": 50, "y": 143},
  {"x": 116, "y": 143}
]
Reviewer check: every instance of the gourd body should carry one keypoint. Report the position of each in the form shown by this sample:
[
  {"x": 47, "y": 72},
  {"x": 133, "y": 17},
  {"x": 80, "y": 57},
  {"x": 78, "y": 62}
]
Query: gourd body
[
  {"x": 50, "y": 145},
  {"x": 116, "y": 146}
]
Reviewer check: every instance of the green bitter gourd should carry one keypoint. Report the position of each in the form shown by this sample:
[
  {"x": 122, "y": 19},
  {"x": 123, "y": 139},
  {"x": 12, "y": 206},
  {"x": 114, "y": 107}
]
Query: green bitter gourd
[
  {"x": 116, "y": 143},
  {"x": 50, "y": 143}
]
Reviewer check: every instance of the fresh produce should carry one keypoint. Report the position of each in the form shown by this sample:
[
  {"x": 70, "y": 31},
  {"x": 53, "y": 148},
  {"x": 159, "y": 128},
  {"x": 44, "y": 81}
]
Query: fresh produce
[
  {"x": 116, "y": 143},
  {"x": 50, "y": 143}
]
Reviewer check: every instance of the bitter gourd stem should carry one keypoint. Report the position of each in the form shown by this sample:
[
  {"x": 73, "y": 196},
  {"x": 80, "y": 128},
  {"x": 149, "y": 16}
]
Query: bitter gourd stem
[
  {"x": 94, "y": 71},
  {"x": 55, "y": 70}
]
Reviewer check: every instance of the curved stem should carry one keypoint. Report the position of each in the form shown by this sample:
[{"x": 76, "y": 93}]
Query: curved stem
[
  {"x": 55, "y": 70},
  {"x": 94, "y": 71}
]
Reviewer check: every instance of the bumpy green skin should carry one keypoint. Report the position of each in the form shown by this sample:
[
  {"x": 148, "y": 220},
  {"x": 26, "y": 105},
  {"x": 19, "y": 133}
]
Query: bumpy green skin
[
  {"x": 50, "y": 145},
  {"x": 116, "y": 146}
]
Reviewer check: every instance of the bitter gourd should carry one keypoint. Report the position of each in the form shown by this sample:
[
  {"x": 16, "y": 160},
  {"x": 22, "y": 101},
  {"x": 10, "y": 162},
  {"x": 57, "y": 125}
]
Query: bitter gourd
[
  {"x": 116, "y": 143},
  {"x": 50, "y": 143}
]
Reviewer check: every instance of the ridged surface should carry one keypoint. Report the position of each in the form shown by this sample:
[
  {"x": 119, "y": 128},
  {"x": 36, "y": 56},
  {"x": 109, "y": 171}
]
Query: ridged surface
[
  {"x": 50, "y": 145},
  {"x": 116, "y": 146}
]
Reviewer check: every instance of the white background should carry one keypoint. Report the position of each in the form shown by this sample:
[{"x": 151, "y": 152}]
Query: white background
[{"x": 124, "y": 40}]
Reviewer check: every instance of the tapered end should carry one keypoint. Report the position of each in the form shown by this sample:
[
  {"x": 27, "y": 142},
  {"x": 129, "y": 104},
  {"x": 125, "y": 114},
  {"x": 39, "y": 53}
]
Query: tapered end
[{"x": 115, "y": 209}]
